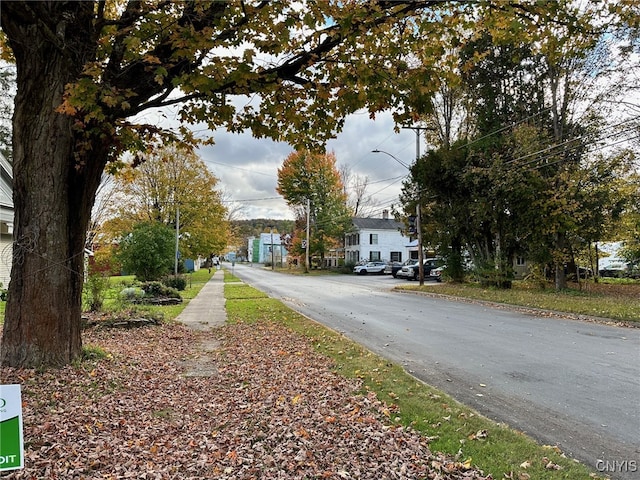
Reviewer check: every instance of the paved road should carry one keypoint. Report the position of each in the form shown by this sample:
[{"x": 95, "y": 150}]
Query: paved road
[{"x": 564, "y": 382}]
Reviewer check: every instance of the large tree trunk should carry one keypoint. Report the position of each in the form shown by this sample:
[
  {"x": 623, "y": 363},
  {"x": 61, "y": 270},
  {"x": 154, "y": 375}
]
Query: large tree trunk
[
  {"x": 54, "y": 187},
  {"x": 560, "y": 274}
]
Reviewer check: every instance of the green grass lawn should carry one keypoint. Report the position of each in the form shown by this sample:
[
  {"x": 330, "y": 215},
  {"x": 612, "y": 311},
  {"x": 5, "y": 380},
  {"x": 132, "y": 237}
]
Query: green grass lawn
[{"x": 615, "y": 300}]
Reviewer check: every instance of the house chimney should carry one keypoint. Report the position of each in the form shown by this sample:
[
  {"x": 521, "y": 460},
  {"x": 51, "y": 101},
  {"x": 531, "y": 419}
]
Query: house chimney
[{"x": 385, "y": 214}]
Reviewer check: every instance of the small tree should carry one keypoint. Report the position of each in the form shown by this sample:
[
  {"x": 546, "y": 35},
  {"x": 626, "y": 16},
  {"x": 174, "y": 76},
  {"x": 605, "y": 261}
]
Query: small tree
[
  {"x": 171, "y": 178},
  {"x": 148, "y": 251},
  {"x": 314, "y": 177},
  {"x": 97, "y": 283}
]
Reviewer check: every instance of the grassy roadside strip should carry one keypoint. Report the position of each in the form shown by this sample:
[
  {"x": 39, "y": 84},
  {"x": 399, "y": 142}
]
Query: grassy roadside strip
[
  {"x": 620, "y": 308},
  {"x": 451, "y": 427}
]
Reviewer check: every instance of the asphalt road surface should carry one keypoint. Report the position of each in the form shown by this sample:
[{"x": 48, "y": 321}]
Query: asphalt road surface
[{"x": 563, "y": 382}]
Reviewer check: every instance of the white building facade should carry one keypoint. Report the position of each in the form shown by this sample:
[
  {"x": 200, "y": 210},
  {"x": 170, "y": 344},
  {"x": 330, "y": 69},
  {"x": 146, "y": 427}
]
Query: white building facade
[{"x": 373, "y": 239}]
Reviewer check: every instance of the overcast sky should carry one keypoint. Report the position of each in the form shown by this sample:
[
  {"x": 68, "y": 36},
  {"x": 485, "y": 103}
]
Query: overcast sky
[{"x": 247, "y": 168}]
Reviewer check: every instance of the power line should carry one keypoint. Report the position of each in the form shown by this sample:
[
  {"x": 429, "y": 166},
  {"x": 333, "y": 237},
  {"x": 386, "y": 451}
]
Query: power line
[
  {"x": 253, "y": 199},
  {"x": 574, "y": 143}
]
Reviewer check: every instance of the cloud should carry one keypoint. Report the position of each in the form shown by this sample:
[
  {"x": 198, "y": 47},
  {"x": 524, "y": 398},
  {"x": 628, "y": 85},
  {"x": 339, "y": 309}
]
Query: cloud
[{"x": 247, "y": 168}]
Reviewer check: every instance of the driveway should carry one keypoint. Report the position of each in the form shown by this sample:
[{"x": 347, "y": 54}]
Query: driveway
[{"x": 564, "y": 382}]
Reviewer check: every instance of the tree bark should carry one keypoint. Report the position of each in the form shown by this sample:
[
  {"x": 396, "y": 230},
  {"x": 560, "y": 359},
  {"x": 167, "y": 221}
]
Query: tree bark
[
  {"x": 53, "y": 193},
  {"x": 560, "y": 274}
]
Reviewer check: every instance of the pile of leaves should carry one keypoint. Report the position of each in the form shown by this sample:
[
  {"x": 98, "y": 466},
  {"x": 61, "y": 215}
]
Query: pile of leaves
[{"x": 271, "y": 408}]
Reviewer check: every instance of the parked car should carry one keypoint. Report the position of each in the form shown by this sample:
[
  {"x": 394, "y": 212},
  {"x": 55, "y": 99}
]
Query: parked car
[
  {"x": 412, "y": 272},
  {"x": 370, "y": 267},
  {"x": 392, "y": 268},
  {"x": 436, "y": 273},
  {"x": 407, "y": 270}
]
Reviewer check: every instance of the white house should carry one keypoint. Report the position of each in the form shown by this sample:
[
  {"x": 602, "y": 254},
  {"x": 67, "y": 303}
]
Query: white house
[
  {"x": 6, "y": 220},
  {"x": 265, "y": 248},
  {"x": 376, "y": 239}
]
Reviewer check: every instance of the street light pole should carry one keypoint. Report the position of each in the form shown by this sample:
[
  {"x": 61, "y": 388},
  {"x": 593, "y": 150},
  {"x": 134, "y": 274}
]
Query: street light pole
[
  {"x": 177, "y": 255},
  {"x": 306, "y": 253},
  {"x": 418, "y": 212},
  {"x": 420, "y": 252},
  {"x": 418, "y": 223}
]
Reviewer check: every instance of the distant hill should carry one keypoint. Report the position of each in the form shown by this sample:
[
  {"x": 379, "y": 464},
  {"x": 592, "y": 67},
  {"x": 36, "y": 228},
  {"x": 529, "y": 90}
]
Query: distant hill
[{"x": 254, "y": 227}]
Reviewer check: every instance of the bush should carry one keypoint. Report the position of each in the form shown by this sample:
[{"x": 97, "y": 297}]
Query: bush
[
  {"x": 178, "y": 282},
  {"x": 96, "y": 289},
  {"x": 490, "y": 276},
  {"x": 131, "y": 293},
  {"x": 347, "y": 267},
  {"x": 158, "y": 289}
]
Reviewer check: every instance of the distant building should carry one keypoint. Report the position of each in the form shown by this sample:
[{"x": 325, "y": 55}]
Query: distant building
[
  {"x": 372, "y": 239},
  {"x": 265, "y": 248}
]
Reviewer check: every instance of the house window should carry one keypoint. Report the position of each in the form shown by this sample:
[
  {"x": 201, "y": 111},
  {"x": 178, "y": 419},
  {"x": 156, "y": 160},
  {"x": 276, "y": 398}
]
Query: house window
[
  {"x": 374, "y": 256},
  {"x": 373, "y": 239},
  {"x": 396, "y": 256},
  {"x": 520, "y": 261}
]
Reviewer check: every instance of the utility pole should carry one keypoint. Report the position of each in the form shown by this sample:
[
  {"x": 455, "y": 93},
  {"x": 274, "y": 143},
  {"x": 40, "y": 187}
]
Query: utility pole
[
  {"x": 306, "y": 261},
  {"x": 420, "y": 254},
  {"x": 175, "y": 267},
  {"x": 271, "y": 232},
  {"x": 418, "y": 222}
]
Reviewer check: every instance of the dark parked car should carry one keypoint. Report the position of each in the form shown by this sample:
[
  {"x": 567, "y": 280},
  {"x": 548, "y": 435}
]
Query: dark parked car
[{"x": 392, "y": 268}]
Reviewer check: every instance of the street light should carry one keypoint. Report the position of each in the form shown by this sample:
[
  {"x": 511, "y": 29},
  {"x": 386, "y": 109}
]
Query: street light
[
  {"x": 418, "y": 222},
  {"x": 394, "y": 157}
]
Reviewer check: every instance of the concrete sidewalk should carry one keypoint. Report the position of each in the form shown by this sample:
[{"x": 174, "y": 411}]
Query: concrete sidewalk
[
  {"x": 206, "y": 310},
  {"x": 202, "y": 313}
]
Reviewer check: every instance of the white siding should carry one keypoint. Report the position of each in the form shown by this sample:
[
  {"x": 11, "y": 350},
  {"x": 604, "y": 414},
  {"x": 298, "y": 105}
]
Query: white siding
[{"x": 388, "y": 241}]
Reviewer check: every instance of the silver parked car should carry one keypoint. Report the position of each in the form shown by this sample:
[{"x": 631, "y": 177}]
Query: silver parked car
[
  {"x": 370, "y": 267},
  {"x": 411, "y": 272}
]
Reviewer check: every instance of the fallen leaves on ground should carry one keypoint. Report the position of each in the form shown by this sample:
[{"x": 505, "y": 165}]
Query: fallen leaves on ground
[{"x": 272, "y": 409}]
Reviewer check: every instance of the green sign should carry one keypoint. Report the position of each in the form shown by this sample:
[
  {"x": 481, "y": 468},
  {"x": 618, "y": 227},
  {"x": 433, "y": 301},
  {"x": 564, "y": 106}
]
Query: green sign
[{"x": 11, "y": 444}]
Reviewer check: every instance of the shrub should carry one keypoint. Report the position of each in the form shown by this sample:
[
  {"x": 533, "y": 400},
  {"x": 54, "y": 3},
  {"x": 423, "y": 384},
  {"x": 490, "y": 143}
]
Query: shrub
[
  {"x": 158, "y": 289},
  {"x": 347, "y": 267},
  {"x": 131, "y": 293},
  {"x": 490, "y": 276},
  {"x": 96, "y": 288},
  {"x": 178, "y": 282}
]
